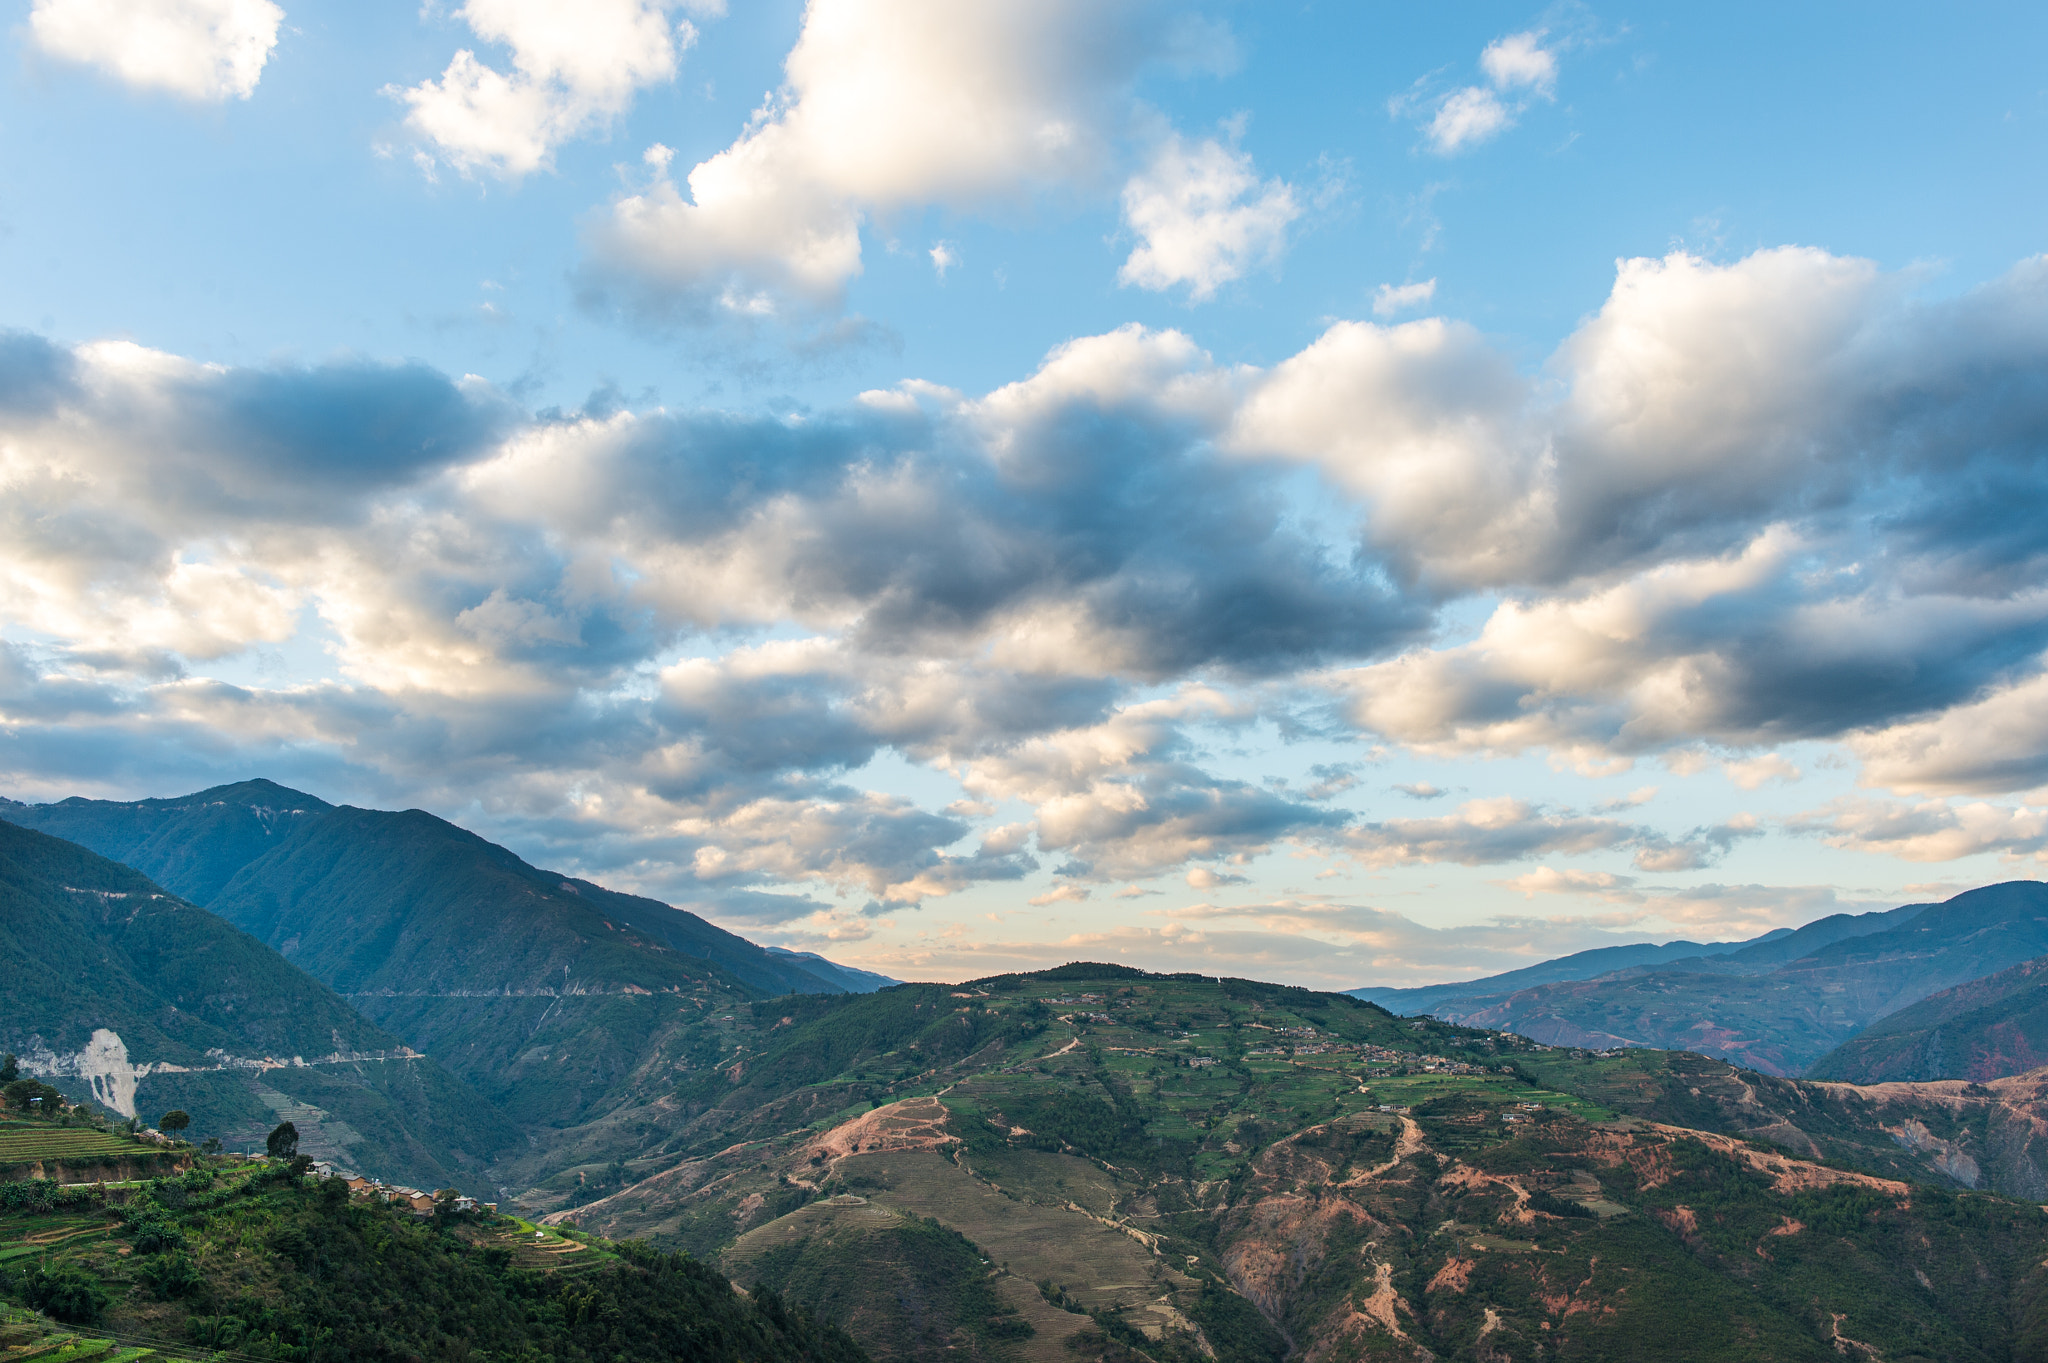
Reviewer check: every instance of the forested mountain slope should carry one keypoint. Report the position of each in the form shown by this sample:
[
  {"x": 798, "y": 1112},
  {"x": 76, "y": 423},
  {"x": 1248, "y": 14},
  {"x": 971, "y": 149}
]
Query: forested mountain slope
[
  {"x": 538, "y": 990},
  {"x": 116, "y": 990}
]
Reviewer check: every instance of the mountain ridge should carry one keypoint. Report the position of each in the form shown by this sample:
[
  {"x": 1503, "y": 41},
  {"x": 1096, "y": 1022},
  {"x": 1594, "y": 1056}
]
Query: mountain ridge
[
  {"x": 124, "y": 993},
  {"x": 194, "y": 845},
  {"x": 1775, "y": 1015}
]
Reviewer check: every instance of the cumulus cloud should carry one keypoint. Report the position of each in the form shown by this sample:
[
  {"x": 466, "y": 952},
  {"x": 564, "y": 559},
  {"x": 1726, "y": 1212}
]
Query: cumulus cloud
[
  {"x": 886, "y": 105},
  {"x": 1202, "y": 218},
  {"x": 209, "y": 50},
  {"x": 1518, "y": 68},
  {"x": 1929, "y": 830},
  {"x": 463, "y": 567},
  {"x": 1736, "y": 512},
  {"x": 1995, "y": 743},
  {"x": 1794, "y": 562},
  {"x": 573, "y": 71}
]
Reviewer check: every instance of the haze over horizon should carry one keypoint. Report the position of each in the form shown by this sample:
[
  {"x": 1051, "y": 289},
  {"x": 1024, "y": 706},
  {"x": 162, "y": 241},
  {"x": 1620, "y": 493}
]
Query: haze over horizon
[{"x": 1331, "y": 496}]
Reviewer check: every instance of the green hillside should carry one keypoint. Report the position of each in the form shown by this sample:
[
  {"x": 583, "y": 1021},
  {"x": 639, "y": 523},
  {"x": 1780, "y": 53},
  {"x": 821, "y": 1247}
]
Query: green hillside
[
  {"x": 189, "y": 844},
  {"x": 525, "y": 984},
  {"x": 1985, "y": 1029},
  {"x": 1773, "y": 1015},
  {"x": 109, "y": 974},
  {"x": 1177, "y": 1168},
  {"x": 253, "y": 1262}
]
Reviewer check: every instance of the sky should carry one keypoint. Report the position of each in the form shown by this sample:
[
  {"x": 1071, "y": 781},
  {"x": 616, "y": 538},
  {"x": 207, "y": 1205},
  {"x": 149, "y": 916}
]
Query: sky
[{"x": 1339, "y": 494}]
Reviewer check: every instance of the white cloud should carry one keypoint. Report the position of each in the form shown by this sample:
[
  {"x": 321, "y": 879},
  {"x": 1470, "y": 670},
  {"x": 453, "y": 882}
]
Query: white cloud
[
  {"x": 198, "y": 49},
  {"x": 1467, "y": 117},
  {"x": 1520, "y": 60},
  {"x": 1518, "y": 68},
  {"x": 888, "y": 104},
  {"x": 1552, "y": 880},
  {"x": 1931, "y": 830},
  {"x": 944, "y": 257},
  {"x": 1389, "y": 299},
  {"x": 1205, "y": 878},
  {"x": 1749, "y": 505},
  {"x": 1754, "y": 772},
  {"x": 1993, "y": 744},
  {"x": 1703, "y": 911},
  {"x": 1482, "y": 832},
  {"x": 575, "y": 68},
  {"x": 1203, "y": 218}
]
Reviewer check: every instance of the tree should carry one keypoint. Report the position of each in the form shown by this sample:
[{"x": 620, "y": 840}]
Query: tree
[
  {"x": 10, "y": 1068},
  {"x": 27, "y": 1095},
  {"x": 67, "y": 1292},
  {"x": 174, "y": 1120},
  {"x": 284, "y": 1142}
]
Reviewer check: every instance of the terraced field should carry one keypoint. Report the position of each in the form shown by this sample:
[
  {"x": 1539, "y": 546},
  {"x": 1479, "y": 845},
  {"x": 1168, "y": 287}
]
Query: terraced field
[{"x": 27, "y": 1144}]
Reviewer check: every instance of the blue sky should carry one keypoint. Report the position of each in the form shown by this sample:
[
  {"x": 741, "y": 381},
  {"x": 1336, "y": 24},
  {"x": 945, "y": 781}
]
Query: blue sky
[{"x": 1335, "y": 493}]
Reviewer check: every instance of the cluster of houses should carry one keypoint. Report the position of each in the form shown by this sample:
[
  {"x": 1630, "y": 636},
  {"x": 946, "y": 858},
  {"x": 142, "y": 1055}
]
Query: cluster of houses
[{"x": 420, "y": 1203}]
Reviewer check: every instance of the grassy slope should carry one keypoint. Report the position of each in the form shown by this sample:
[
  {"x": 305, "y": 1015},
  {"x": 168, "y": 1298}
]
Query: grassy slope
[
  {"x": 100, "y": 946},
  {"x": 234, "y": 1258}
]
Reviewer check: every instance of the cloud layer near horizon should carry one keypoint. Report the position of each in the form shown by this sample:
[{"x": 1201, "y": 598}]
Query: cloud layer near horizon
[{"x": 1745, "y": 504}]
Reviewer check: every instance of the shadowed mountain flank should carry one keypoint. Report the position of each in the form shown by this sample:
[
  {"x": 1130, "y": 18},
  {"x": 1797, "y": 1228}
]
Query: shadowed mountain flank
[
  {"x": 119, "y": 991},
  {"x": 1986, "y": 1029}
]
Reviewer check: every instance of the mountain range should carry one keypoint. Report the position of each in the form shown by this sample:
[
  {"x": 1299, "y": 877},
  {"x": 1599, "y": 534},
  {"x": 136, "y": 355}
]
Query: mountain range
[
  {"x": 1089, "y": 1163},
  {"x": 1777, "y": 1005},
  {"x": 566, "y": 1010},
  {"x": 1185, "y": 1168},
  {"x": 125, "y": 993},
  {"x": 1982, "y": 1030}
]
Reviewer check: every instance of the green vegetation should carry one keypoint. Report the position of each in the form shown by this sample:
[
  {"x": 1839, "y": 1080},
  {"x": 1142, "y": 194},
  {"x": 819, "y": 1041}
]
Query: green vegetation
[
  {"x": 24, "y": 1143},
  {"x": 909, "y": 1286},
  {"x": 565, "y": 1007},
  {"x": 114, "y": 953},
  {"x": 1149, "y": 1157},
  {"x": 272, "y": 1266}
]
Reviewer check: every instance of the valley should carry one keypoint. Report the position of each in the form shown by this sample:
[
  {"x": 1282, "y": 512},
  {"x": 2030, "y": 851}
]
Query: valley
[{"x": 1090, "y": 1162}]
